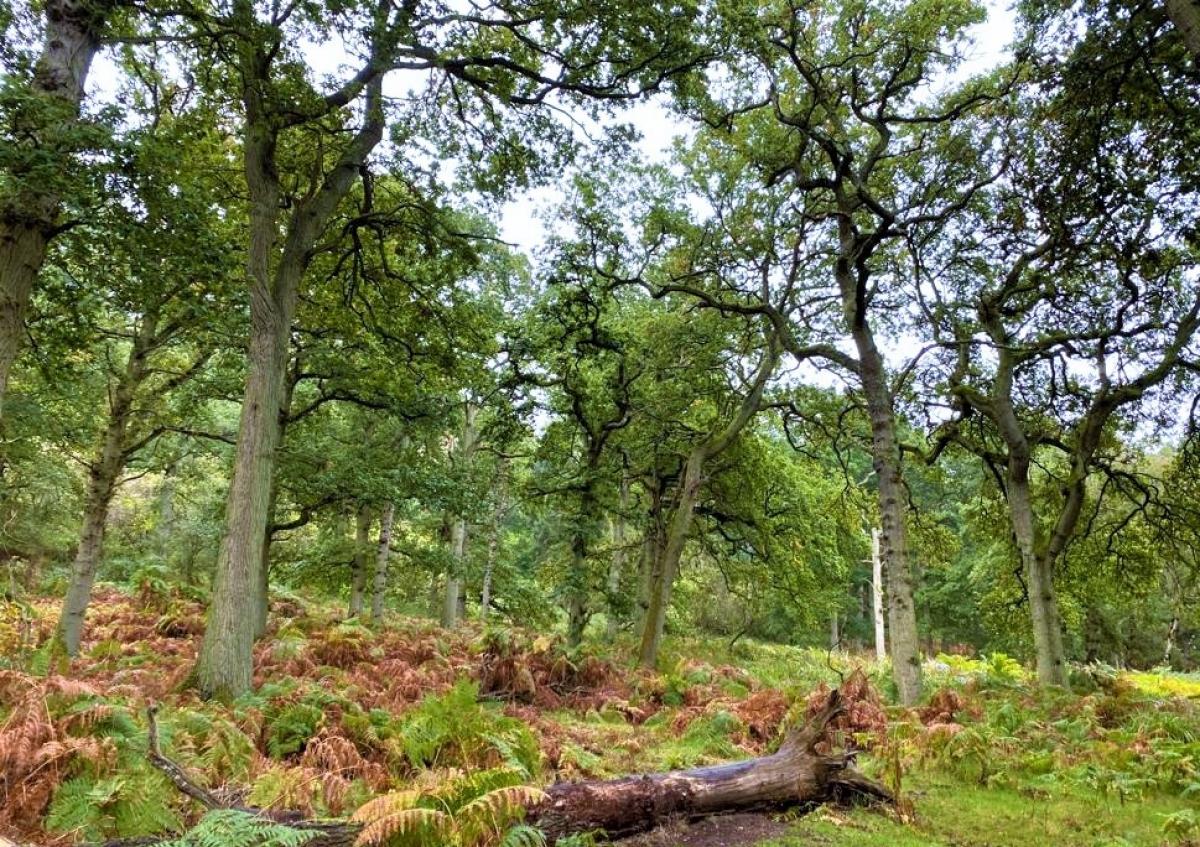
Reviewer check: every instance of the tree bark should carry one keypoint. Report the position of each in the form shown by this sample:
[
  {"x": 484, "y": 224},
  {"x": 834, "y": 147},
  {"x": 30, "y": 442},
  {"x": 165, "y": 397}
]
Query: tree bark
[
  {"x": 27, "y": 224},
  {"x": 379, "y": 584},
  {"x": 103, "y": 474},
  {"x": 877, "y": 597},
  {"x": 493, "y": 545},
  {"x": 453, "y": 597},
  {"x": 224, "y": 666},
  {"x": 885, "y": 455},
  {"x": 616, "y": 567},
  {"x": 795, "y": 775},
  {"x": 1039, "y": 582},
  {"x": 362, "y": 555},
  {"x": 1185, "y": 15}
]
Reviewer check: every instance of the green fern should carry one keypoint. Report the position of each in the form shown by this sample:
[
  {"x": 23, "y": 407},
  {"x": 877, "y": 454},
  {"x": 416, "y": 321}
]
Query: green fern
[
  {"x": 232, "y": 828},
  {"x": 524, "y": 835},
  {"x": 455, "y": 729},
  {"x": 132, "y": 804}
]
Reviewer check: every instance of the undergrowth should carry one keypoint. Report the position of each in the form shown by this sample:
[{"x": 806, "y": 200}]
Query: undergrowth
[{"x": 408, "y": 726}]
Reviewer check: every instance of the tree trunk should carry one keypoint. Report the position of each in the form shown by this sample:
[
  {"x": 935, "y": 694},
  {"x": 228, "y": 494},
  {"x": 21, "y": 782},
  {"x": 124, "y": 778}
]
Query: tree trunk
[
  {"x": 1185, "y": 15},
  {"x": 225, "y": 664},
  {"x": 166, "y": 513},
  {"x": 28, "y": 223},
  {"x": 379, "y": 586},
  {"x": 1039, "y": 582},
  {"x": 102, "y": 484},
  {"x": 794, "y": 776},
  {"x": 885, "y": 453},
  {"x": 665, "y": 565},
  {"x": 362, "y": 555},
  {"x": 877, "y": 597},
  {"x": 578, "y": 581},
  {"x": 616, "y": 567},
  {"x": 458, "y": 556},
  {"x": 453, "y": 600}
]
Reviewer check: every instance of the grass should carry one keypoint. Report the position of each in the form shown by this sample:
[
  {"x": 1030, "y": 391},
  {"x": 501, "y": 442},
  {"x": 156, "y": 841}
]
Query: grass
[{"x": 950, "y": 813}]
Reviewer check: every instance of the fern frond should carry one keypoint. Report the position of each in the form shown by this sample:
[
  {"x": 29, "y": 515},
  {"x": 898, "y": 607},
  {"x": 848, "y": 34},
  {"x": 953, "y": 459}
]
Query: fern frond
[
  {"x": 523, "y": 835},
  {"x": 458, "y": 792},
  {"x": 486, "y": 818},
  {"x": 414, "y": 826},
  {"x": 387, "y": 804},
  {"x": 233, "y": 828}
]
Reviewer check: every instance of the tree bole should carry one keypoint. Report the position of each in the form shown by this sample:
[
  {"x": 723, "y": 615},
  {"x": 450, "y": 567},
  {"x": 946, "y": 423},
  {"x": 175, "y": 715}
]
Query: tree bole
[{"x": 796, "y": 775}]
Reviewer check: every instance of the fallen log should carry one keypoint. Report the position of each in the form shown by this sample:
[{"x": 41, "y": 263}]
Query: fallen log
[{"x": 795, "y": 775}]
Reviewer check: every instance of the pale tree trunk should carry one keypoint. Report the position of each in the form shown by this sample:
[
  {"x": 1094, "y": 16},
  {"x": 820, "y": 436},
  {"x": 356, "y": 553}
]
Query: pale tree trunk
[
  {"x": 379, "y": 586},
  {"x": 617, "y": 566},
  {"x": 835, "y": 635},
  {"x": 493, "y": 545},
  {"x": 1039, "y": 581},
  {"x": 1185, "y": 15},
  {"x": 362, "y": 555},
  {"x": 877, "y": 597},
  {"x": 665, "y": 567},
  {"x": 885, "y": 458},
  {"x": 453, "y": 599},
  {"x": 72, "y": 38},
  {"x": 885, "y": 450},
  {"x": 225, "y": 663},
  {"x": 102, "y": 484},
  {"x": 458, "y": 555},
  {"x": 166, "y": 513}
]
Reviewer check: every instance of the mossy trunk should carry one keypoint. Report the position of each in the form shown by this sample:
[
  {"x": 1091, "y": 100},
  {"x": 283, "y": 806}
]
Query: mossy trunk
[
  {"x": 105, "y": 470},
  {"x": 382, "y": 554},
  {"x": 796, "y": 775},
  {"x": 361, "y": 561},
  {"x": 29, "y": 218}
]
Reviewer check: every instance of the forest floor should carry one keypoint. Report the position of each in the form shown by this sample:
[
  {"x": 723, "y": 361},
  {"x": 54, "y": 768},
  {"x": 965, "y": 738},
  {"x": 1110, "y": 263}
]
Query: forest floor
[{"x": 343, "y": 712}]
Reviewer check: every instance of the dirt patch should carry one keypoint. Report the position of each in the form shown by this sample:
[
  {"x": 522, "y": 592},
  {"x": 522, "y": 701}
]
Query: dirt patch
[{"x": 744, "y": 828}]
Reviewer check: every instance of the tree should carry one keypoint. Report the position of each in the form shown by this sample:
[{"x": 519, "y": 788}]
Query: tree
[
  {"x": 468, "y": 57},
  {"x": 160, "y": 254},
  {"x": 833, "y": 110},
  {"x": 1063, "y": 305},
  {"x": 40, "y": 110}
]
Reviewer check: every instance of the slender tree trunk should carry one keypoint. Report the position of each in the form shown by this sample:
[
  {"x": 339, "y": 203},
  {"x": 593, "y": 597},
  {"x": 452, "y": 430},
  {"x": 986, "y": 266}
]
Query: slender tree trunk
[
  {"x": 1185, "y": 15},
  {"x": 616, "y": 567},
  {"x": 835, "y": 635},
  {"x": 166, "y": 513},
  {"x": 666, "y": 565},
  {"x": 458, "y": 555},
  {"x": 877, "y": 597},
  {"x": 379, "y": 588},
  {"x": 27, "y": 224},
  {"x": 362, "y": 556},
  {"x": 578, "y": 583},
  {"x": 666, "y": 560},
  {"x": 1039, "y": 583},
  {"x": 102, "y": 484},
  {"x": 453, "y": 600}
]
